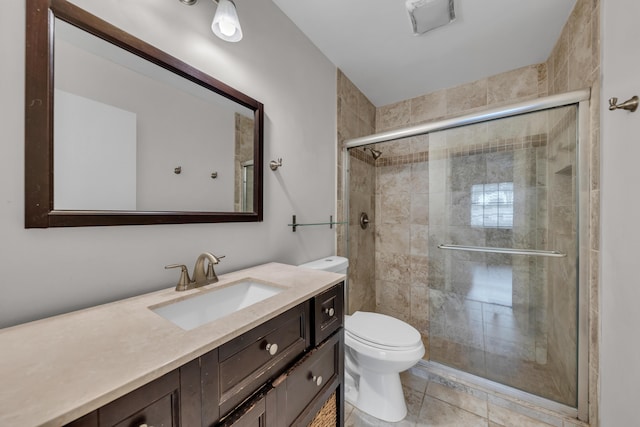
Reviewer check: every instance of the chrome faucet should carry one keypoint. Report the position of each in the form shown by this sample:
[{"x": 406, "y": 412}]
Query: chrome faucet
[{"x": 200, "y": 277}]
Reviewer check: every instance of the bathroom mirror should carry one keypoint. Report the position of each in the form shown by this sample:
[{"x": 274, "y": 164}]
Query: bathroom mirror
[{"x": 121, "y": 133}]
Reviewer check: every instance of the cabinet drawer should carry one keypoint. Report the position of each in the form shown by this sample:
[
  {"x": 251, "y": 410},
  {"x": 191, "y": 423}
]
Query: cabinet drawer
[
  {"x": 328, "y": 309},
  {"x": 154, "y": 404},
  {"x": 246, "y": 362},
  {"x": 318, "y": 371}
]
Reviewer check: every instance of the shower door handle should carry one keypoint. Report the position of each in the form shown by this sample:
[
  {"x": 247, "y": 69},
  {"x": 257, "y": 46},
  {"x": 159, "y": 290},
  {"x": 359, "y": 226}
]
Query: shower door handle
[{"x": 510, "y": 251}]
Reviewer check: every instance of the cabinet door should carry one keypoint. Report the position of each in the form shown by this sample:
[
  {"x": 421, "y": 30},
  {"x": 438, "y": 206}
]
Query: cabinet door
[
  {"x": 154, "y": 404},
  {"x": 305, "y": 387},
  {"x": 259, "y": 412},
  {"x": 328, "y": 310},
  {"x": 172, "y": 400}
]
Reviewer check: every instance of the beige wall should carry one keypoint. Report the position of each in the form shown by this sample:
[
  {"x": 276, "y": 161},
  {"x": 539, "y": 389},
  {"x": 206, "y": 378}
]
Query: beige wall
[
  {"x": 356, "y": 117},
  {"x": 620, "y": 293},
  {"x": 51, "y": 271}
]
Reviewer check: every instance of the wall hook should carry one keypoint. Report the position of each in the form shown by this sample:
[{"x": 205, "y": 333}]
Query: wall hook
[
  {"x": 214, "y": 175},
  {"x": 629, "y": 105},
  {"x": 275, "y": 165},
  {"x": 177, "y": 170}
]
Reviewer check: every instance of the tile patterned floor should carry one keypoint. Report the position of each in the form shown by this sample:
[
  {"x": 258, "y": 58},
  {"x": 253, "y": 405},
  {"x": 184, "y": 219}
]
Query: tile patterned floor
[{"x": 438, "y": 401}]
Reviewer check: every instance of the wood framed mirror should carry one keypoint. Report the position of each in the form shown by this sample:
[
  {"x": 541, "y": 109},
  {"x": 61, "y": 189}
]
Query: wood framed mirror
[{"x": 118, "y": 132}]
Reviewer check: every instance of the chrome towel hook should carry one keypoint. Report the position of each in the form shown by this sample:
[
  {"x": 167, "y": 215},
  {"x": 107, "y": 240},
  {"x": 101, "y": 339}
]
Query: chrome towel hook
[{"x": 629, "y": 105}]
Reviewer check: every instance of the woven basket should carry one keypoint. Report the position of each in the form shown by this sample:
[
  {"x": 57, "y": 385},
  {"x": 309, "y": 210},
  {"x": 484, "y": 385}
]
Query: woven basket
[{"x": 328, "y": 414}]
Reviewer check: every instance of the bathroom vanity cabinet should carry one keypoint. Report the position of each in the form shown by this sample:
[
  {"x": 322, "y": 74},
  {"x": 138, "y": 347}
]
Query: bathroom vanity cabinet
[{"x": 285, "y": 371}]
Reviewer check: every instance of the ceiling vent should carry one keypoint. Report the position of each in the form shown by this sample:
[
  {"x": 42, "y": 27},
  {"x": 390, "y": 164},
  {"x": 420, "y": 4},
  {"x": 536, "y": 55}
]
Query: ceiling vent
[{"x": 427, "y": 15}]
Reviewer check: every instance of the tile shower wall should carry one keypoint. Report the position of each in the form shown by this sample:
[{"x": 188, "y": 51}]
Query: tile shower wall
[
  {"x": 361, "y": 241},
  {"x": 562, "y": 235},
  {"x": 575, "y": 63},
  {"x": 356, "y": 117},
  {"x": 402, "y": 221}
]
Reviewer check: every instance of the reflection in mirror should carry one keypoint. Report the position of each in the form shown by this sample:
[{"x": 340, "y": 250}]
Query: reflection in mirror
[
  {"x": 247, "y": 186},
  {"x": 116, "y": 148},
  {"x": 110, "y": 120},
  {"x": 243, "y": 161}
]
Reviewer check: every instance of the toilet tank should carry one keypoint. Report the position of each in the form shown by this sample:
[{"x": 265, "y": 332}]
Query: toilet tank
[{"x": 334, "y": 264}]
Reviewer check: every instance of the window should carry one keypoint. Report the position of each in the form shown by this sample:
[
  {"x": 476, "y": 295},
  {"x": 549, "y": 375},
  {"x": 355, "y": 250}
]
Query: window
[{"x": 492, "y": 205}]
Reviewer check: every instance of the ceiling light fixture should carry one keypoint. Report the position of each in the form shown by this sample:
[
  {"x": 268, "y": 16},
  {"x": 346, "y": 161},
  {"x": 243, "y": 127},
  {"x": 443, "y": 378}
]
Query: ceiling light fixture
[
  {"x": 226, "y": 24},
  {"x": 427, "y": 15}
]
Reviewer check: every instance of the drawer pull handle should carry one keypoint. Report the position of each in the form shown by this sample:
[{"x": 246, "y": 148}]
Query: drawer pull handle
[
  {"x": 272, "y": 349},
  {"x": 329, "y": 311},
  {"x": 317, "y": 380}
]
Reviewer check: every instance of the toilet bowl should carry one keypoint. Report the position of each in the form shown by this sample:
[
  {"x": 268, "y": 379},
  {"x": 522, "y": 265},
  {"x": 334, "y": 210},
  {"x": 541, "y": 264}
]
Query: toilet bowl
[{"x": 377, "y": 348}]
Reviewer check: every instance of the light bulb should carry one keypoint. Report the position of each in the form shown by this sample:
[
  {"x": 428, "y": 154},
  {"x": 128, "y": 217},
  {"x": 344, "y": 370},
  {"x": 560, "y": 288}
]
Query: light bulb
[
  {"x": 227, "y": 27},
  {"x": 225, "y": 22}
]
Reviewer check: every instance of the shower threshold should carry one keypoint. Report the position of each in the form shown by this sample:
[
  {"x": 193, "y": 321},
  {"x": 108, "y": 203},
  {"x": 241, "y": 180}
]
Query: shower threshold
[{"x": 528, "y": 404}]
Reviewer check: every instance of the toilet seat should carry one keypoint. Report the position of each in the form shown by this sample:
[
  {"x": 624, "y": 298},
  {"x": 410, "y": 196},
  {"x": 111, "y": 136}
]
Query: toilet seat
[
  {"x": 382, "y": 332},
  {"x": 389, "y": 349}
]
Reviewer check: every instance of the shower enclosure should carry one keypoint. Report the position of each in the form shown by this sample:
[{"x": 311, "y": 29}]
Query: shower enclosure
[{"x": 484, "y": 214}]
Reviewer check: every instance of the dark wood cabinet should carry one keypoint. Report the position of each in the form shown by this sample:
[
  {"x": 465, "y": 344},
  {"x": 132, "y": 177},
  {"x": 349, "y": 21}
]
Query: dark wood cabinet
[
  {"x": 280, "y": 373},
  {"x": 260, "y": 411},
  {"x": 247, "y": 362},
  {"x": 89, "y": 420},
  {"x": 328, "y": 310},
  {"x": 172, "y": 400},
  {"x": 304, "y": 388}
]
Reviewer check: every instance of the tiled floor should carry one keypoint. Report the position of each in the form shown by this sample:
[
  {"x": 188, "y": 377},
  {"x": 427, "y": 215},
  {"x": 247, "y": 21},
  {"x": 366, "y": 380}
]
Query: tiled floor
[{"x": 438, "y": 401}]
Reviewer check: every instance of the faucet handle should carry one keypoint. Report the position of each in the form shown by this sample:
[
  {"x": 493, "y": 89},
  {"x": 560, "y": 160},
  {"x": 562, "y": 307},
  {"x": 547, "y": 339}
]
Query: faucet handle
[
  {"x": 211, "y": 274},
  {"x": 184, "y": 282}
]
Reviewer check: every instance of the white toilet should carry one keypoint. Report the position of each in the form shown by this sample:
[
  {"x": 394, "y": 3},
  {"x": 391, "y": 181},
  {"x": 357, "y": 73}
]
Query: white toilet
[{"x": 378, "y": 348}]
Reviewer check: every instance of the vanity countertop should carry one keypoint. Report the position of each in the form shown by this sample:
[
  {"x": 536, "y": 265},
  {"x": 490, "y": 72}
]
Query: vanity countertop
[{"x": 57, "y": 369}]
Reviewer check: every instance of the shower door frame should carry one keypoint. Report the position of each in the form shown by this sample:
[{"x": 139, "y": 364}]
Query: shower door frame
[{"x": 581, "y": 99}]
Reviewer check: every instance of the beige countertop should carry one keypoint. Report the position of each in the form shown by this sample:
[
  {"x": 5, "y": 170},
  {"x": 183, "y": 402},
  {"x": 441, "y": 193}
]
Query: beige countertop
[{"x": 55, "y": 370}]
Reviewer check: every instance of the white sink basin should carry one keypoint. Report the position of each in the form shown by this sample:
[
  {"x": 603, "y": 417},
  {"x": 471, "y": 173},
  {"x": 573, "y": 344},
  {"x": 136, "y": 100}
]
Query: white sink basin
[{"x": 211, "y": 305}]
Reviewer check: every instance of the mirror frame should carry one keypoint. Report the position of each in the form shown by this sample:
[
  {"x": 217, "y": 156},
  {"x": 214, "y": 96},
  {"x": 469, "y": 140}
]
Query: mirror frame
[{"x": 39, "y": 86}]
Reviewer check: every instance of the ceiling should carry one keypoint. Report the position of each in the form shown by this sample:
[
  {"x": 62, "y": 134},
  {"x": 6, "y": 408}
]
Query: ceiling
[{"x": 372, "y": 43}]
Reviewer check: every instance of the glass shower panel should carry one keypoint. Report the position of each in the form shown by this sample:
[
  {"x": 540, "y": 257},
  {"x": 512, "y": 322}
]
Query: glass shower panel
[
  {"x": 247, "y": 186},
  {"x": 510, "y": 318}
]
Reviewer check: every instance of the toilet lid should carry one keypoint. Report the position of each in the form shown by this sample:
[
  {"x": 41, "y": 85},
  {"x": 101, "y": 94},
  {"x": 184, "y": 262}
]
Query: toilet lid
[{"x": 381, "y": 329}]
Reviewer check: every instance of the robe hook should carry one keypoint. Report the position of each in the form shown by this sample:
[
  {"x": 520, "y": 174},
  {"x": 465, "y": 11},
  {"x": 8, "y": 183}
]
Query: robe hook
[{"x": 629, "y": 105}]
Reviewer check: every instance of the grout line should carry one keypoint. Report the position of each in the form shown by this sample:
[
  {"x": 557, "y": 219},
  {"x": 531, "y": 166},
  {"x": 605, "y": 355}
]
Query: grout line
[{"x": 486, "y": 402}]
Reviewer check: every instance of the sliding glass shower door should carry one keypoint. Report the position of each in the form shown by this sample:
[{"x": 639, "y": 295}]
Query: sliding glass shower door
[{"x": 503, "y": 285}]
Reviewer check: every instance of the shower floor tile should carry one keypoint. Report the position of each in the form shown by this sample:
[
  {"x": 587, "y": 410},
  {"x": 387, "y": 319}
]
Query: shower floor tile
[{"x": 439, "y": 401}]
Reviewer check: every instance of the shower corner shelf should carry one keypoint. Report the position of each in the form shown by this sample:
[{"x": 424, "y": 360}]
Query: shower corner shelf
[{"x": 294, "y": 224}]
